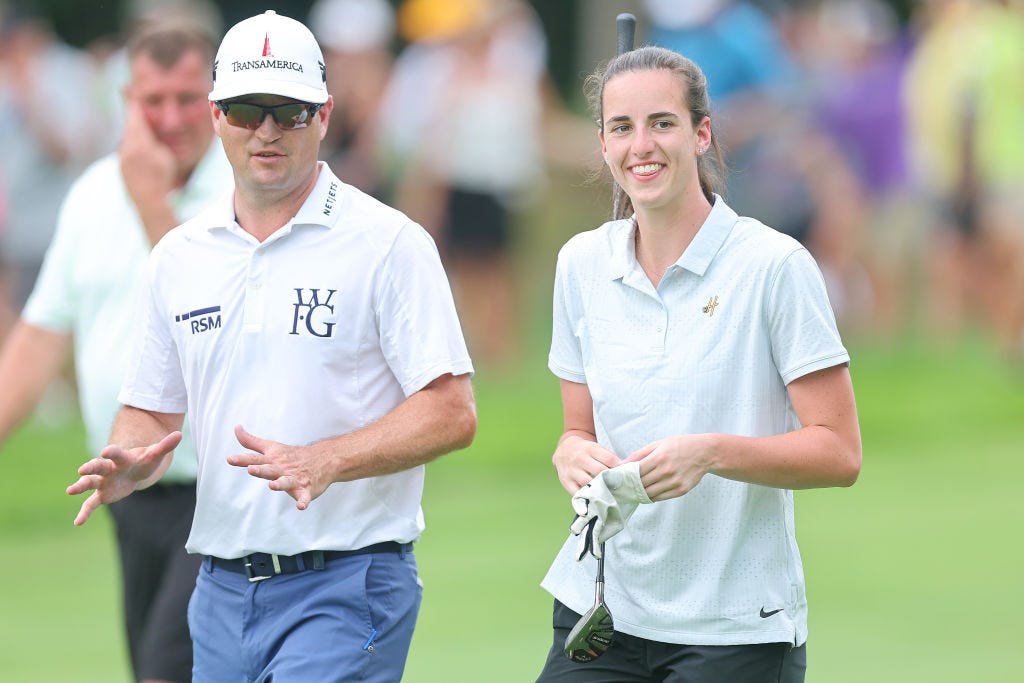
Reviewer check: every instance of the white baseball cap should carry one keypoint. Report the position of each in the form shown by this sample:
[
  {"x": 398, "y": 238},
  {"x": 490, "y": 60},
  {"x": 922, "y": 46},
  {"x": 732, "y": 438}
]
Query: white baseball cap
[{"x": 269, "y": 54}]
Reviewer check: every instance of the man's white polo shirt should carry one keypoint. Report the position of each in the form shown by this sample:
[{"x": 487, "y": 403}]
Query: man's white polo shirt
[
  {"x": 738, "y": 316},
  {"x": 316, "y": 332},
  {"x": 90, "y": 281}
]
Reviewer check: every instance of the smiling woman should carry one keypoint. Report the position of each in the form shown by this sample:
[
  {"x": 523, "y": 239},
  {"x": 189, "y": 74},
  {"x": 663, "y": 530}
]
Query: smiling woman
[
  {"x": 703, "y": 379},
  {"x": 648, "y": 137},
  {"x": 686, "y": 101}
]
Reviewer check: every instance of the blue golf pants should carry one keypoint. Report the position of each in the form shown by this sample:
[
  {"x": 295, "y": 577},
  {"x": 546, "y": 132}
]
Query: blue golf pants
[{"x": 350, "y": 621}]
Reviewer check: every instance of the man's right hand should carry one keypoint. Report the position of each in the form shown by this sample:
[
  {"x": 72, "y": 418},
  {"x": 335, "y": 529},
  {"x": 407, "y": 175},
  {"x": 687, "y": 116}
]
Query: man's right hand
[
  {"x": 147, "y": 165},
  {"x": 150, "y": 172},
  {"x": 119, "y": 471}
]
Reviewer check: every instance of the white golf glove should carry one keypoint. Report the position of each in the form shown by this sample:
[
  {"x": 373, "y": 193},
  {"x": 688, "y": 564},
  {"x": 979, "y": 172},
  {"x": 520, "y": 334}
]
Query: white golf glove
[{"x": 605, "y": 505}]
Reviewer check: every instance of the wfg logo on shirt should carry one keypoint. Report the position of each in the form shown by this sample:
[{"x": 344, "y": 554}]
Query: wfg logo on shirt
[
  {"x": 306, "y": 311},
  {"x": 198, "y": 322}
]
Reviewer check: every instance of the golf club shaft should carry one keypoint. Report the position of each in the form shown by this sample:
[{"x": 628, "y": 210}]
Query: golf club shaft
[{"x": 599, "y": 581}]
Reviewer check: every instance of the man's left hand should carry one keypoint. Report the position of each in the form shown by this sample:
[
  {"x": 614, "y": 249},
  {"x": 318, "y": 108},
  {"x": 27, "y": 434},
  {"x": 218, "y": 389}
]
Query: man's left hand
[{"x": 297, "y": 470}]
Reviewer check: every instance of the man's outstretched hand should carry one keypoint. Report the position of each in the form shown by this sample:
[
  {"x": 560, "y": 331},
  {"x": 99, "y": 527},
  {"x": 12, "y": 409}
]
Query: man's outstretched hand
[{"x": 117, "y": 472}]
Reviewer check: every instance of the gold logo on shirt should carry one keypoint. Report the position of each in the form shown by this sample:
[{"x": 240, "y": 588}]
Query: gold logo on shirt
[{"x": 712, "y": 305}]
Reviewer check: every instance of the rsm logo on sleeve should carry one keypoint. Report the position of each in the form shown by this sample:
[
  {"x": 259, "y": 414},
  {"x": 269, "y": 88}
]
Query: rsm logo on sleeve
[
  {"x": 201, "y": 319},
  {"x": 313, "y": 312}
]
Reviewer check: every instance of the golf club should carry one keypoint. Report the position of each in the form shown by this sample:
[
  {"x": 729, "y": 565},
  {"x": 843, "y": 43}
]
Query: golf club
[{"x": 592, "y": 634}]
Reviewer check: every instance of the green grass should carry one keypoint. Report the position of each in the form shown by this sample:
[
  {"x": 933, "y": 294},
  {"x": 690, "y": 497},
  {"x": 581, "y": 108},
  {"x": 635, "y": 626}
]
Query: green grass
[{"x": 914, "y": 574}]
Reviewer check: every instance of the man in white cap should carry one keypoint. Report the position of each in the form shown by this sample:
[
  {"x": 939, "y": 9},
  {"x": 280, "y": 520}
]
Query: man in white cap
[{"x": 309, "y": 333}]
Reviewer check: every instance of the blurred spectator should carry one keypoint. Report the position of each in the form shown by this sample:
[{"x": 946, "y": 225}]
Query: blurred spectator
[
  {"x": 356, "y": 37},
  {"x": 736, "y": 39},
  {"x": 856, "y": 59},
  {"x": 48, "y": 131},
  {"x": 111, "y": 58},
  {"x": 167, "y": 168},
  {"x": 965, "y": 116},
  {"x": 464, "y": 127}
]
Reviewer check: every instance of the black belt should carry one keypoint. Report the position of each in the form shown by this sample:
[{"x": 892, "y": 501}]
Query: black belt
[{"x": 259, "y": 566}]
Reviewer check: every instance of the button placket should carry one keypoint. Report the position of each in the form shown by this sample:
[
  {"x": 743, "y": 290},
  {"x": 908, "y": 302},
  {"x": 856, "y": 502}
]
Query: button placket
[{"x": 254, "y": 294}]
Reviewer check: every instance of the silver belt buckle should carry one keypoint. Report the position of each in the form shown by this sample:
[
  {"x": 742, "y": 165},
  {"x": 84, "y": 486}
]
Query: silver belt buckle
[{"x": 249, "y": 573}]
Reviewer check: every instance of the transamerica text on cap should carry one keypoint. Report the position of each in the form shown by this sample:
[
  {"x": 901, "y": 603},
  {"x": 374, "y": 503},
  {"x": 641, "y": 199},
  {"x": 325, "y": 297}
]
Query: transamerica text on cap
[{"x": 265, "y": 64}]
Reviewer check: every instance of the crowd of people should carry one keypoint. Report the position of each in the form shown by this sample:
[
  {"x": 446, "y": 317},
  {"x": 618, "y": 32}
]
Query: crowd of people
[
  {"x": 844, "y": 125},
  {"x": 432, "y": 101},
  {"x": 389, "y": 149},
  {"x": 884, "y": 143}
]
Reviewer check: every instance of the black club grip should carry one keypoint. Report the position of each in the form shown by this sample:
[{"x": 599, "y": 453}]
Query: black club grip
[{"x": 625, "y": 29}]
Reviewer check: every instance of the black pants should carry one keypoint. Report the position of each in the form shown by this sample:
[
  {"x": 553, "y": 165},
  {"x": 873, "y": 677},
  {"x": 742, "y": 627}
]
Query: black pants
[
  {"x": 158, "y": 577},
  {"x": 636, "y": 660}
]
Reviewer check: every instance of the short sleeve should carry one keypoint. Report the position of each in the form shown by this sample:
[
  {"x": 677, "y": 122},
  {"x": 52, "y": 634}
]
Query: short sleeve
[
  {"x": 52, "y": 303},
  {"x": 801, "y": 323},
  {"x": 565, "y": 358},
  {"x": 153, "y": 379},
  {"x": 420, "y": 334}
]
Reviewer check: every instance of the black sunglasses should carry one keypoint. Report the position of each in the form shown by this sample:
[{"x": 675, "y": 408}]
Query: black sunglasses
[{"x": 287, "y": 116}]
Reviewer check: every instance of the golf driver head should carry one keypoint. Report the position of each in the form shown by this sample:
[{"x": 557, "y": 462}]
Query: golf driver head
[{"x": 591, "y": 635}]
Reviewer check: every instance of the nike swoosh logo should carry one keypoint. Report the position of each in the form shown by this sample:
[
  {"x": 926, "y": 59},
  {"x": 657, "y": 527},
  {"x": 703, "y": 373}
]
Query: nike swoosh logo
[{"x": 765, "y": 615}]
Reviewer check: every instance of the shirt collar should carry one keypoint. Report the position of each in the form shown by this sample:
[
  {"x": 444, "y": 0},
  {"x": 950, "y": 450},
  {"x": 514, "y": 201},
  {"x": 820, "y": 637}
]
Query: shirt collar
[
  {"x": 622, "y": 246},
  {"x": 709, "y": 239},
  {"x": 321, "y": 208},
  {"x": 323, "y": 205},
  {"x": 696, "y": 257}
]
